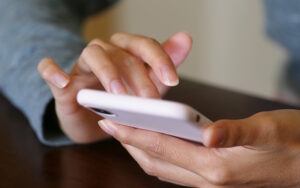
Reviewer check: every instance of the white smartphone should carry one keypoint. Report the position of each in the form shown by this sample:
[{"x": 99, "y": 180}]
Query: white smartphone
[{"x": 171, "y": 118}]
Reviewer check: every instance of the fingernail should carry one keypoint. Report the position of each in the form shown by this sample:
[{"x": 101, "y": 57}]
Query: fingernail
[
  {"x": 60, "y": 80},
  {"x": 117, "y": 87},
  {"x": 220, "y": 135},
  {"x": 170, "y": 78},
  {"x": 214, "y": 137},
  {"x": 107, "y": 127}
]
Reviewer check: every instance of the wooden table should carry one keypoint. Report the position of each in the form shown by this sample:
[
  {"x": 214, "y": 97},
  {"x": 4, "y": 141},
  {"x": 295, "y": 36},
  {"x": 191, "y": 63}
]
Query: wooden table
[{"x": 24, "y": 162}]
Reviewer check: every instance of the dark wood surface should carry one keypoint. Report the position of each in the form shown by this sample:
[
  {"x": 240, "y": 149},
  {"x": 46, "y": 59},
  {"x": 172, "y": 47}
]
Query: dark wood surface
[{"x": 24, "y": 162}]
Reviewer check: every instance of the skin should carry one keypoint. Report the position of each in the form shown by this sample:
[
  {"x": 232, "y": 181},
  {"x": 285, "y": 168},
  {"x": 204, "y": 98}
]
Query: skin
[
  {"x": 145, "y": 65},
  {"x": 259, "y": 151}
]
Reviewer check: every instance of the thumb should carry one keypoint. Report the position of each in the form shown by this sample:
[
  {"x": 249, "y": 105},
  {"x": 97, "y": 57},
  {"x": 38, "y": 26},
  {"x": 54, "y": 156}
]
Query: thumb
[
  {"x": 255, "y": 131},
  {"x": 55, "y": 77},
  {"x": 177, "y": 47}
]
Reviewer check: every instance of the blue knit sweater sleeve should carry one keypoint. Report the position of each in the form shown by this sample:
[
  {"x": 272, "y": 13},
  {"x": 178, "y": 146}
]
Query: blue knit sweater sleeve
[
  {"x": 283, "y": 25},
  {"x": 31, "y": 30}
]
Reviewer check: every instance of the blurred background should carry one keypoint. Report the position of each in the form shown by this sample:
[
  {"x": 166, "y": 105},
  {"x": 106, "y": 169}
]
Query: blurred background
[{"x": 231, "y": 48}]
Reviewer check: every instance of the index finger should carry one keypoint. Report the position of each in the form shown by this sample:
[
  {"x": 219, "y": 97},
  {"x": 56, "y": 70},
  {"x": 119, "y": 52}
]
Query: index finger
[
  {"x": 152, "y": 53},
  {"x": 176, "y": 151}
]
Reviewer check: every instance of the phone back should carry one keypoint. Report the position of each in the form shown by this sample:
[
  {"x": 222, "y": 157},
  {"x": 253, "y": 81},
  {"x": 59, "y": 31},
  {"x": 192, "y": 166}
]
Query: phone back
[{"x": 162, "y": 116}]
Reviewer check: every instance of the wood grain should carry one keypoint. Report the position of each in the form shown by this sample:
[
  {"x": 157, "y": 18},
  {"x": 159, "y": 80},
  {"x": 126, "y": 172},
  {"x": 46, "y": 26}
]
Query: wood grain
[{"x": 24, "y": 162}]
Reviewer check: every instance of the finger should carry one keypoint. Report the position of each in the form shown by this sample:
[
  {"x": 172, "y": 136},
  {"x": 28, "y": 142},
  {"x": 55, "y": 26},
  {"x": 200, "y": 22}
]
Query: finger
[
  {"x": 136, "y": 76},
  {"x": 265, "y": 129},
  {"x": 177, "y": 47},
  {"x": 176, "y": 151},
  {"x": 55, "y": 77},
  {"x": 219, "y": 134},
  {"x": 95, "y": 57},
  {"x": 132, "y": 70},
  {"x": 151, "y": 52},
  {"x": 163, "y": 170},
  {"x": 62, "y": 85}
]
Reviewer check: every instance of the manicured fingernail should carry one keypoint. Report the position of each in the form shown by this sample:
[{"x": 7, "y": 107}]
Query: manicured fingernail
[
  {"x": 117, "y": 87},
  {"x": 215, "y": 137},
  {"x": 107, "y": 127},
  {"x": 60, "y": 79},
  {"x": 220, "y": 135},
  {"x": 170, "y": 78}
]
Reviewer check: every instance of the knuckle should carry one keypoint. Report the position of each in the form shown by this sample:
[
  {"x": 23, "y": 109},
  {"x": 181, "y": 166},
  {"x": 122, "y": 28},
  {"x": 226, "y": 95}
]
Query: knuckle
[
  {"x": 45, "y": 74},
  {"x": 130, "y": 60},
  {"x": 266, "y": 118},
  {"x": 146, "y": 42},
  {"x": 46, "y": 71},
  {"x": 116, "y": 37},
  {"x": 97, "y": 41},
  {"x": 269, "y": 123},
  {"x": 123, "y": 137},
  {"x": 147, "y": 165},
  {"x": 91, "y": 50},
  {"x": 157, "y": 147},
  {"x": 221, "y": 176},
  {"x": 107, "y": 70}
]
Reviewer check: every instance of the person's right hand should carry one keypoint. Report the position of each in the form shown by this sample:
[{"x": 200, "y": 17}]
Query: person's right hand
[
  {"x": 262, "y": 150},
  {"x": 146, "y": 66}
]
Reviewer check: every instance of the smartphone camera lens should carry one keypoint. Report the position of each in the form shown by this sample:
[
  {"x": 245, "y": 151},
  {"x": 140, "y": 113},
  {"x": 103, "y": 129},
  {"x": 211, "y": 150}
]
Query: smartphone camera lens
[
  {"x": 198, "y": 118},
  {"x": 102, "y": 112}
]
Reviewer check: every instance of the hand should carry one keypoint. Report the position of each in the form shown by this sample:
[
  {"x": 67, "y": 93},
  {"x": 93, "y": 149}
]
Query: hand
[
  {"x": 260, "y": 151},
  {"x": 146, "y": 66}
]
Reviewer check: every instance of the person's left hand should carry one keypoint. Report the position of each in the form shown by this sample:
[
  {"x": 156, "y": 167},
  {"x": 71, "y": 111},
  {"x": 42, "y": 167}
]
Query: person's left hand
[
  {"x": 126, "y": 62},
  {"x": 260, "y": 151}
]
